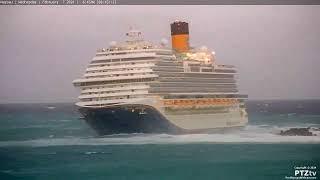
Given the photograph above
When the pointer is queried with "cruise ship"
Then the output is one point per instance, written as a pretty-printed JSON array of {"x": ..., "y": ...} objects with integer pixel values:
[{"x": 136, "y": 86}]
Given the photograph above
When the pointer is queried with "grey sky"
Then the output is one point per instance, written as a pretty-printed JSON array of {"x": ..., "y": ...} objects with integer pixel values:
[{"x": 43, "y": 48}]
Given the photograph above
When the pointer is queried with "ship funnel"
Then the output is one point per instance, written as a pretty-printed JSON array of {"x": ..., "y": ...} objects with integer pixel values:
[{"x": 180, "y": 36}]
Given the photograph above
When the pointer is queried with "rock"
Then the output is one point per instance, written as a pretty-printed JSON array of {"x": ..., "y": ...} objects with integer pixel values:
[{"x": 297, "y": 132}]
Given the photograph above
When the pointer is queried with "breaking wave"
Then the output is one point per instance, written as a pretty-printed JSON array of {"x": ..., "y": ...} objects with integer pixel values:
[{"x": 250, "y": 134}]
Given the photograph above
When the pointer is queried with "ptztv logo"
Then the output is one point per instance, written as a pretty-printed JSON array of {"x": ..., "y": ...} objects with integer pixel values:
[{"x": 305, "y": 173}]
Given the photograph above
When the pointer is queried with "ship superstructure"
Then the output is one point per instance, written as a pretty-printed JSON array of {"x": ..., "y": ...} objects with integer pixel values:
[{"x": 139, "y": 87}]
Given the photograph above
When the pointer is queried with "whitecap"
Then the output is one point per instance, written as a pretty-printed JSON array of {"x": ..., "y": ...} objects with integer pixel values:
[
  {"x": 90, "y": 152},
  {"x": 251, "y": 134}
]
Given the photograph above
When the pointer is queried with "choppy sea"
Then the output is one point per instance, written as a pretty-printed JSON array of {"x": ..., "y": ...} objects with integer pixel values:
[{"x": 49, "y": 141}]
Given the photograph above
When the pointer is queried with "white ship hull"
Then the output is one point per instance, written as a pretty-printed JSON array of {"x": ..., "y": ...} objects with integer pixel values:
[{"x": 148, "y": 117}]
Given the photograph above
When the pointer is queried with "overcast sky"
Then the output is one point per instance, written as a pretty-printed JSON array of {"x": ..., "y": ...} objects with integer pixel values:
[{"x": 43, "y": 48}]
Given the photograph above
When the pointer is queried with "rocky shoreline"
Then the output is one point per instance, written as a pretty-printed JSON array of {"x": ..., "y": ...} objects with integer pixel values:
[{"x": 299, "y": 132}]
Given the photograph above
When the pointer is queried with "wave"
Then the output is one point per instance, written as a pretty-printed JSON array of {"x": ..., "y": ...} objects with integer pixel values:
[
  {"x": 38, "y": 126},
  {"x": 250, "y": 134},
  {"x": 60, "y": 120}
]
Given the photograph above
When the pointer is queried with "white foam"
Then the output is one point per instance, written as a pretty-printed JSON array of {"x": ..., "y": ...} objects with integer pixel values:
[
  {"x": 90, "y": 152},
  {"x": 251, "y": 134}
]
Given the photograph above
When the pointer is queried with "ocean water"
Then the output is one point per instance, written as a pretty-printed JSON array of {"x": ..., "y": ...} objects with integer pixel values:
[{"x": 49, "y": 141}]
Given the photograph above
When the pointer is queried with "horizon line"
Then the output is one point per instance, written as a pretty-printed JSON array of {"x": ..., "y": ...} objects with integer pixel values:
[{"x": 65, "y": 102}]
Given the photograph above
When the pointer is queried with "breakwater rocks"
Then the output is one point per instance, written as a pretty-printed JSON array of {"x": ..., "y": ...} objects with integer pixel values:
[{"x": 299, "y": 132}]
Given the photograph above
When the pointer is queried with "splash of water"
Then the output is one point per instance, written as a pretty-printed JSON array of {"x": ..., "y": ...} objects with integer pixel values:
[{"x": 251, "y": 134}]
